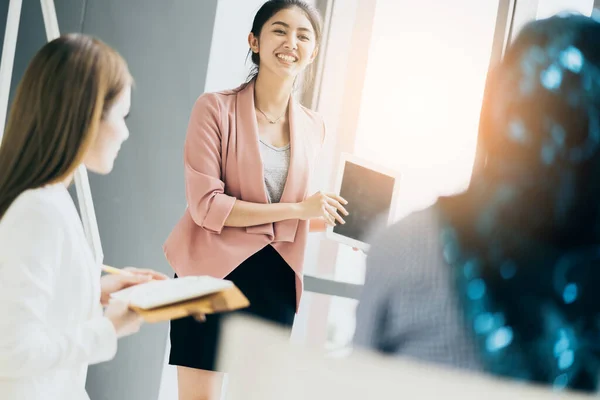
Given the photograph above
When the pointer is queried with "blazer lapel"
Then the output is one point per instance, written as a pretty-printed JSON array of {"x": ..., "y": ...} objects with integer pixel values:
[
  {"x": 252, "y": 180},
  {"x": 296, "y": 184},
  {"x": 251, "y": 173}
]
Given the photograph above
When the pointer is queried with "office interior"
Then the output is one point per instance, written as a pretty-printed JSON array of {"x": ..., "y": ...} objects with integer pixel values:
[{"x": 392, "y": 77}]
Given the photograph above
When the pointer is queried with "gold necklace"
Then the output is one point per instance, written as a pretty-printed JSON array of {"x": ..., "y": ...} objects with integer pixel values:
[{"x": 269, "y": 119}]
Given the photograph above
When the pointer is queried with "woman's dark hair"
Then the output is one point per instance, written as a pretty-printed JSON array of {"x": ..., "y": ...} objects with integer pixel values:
[
  {"x": 524, "y": 239},
  {"x": 267, "y": 11}
]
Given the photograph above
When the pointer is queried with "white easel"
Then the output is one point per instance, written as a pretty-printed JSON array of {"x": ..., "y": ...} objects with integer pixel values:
[{"x": 82, "y": 185}]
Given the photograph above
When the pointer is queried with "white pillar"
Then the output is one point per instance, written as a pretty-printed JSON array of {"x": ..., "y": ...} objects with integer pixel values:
[{"x": 229, "y": 47}]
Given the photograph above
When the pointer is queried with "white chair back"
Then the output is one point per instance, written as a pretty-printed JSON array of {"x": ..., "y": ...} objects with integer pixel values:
[{"x": 262, "y": 364}]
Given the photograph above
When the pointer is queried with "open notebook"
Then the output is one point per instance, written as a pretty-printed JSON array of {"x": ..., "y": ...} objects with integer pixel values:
[{"x": 161, "y": 293}]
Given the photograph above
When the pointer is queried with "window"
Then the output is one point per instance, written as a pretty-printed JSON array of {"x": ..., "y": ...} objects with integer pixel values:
[{"x": 417, "y": 101}]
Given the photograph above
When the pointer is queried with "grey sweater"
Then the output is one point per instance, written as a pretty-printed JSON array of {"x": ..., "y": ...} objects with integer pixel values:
[{"x": 408, "y": 305}]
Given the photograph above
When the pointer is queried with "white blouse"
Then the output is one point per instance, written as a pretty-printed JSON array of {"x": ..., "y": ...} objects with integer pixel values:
[{"x": 51, "y": 321}]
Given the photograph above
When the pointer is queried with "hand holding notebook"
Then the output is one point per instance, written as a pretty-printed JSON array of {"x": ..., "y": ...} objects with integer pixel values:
[{"x": 160, "y": 300}]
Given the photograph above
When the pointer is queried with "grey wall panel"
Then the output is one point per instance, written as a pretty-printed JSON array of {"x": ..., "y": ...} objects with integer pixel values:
[
  {"x": 167, "y": 46},
  {"x": 32, "y": 35},
  {"x": 3, "y": 16},
  {"x": 69, "y": 13}
]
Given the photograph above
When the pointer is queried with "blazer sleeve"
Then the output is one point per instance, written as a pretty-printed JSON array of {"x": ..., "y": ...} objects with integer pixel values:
[
  {"x": 208, "y": 204},
  {"x": 29, "y": 270}
]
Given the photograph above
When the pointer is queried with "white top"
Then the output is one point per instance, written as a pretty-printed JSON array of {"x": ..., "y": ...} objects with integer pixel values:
[
  {"x": 51, "y": 322},
  {"x": 276, "y": 162}
]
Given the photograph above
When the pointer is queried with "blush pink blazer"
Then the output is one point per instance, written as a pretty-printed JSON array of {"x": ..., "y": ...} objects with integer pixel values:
[{"x": 223, "y": 163}]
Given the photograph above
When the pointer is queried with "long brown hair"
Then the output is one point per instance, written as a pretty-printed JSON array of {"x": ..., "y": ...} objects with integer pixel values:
[{"x": 68, "y": 87}]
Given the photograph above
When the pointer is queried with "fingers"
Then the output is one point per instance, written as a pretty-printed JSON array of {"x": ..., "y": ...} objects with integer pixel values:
[
  {"x": 331, "y": 203},
  {"x": 135, "y": 321},
  {"x": 119, "y": 306},
  {"x": 336, "y": 203},
  {"x": 130, "y": 280},
  {"x": 113, "y": 283},
  {"x": 139, "y": 321},
  {"x": 338, "y": 198},
  {"x": 199, "y": 317},
  {"x": 125, "y": 281},
  {"x": 147, "y": 272},
  {"x": 329, "y": 219},
  {"x": 334, "y": 214}
]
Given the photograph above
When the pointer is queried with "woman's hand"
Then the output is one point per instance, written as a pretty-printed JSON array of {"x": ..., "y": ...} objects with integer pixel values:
[
  {"x": 125, "y": 321},
  {"x": 321, "y": 205},
  {"x": 155, "y": 275},
  {"x": 132, "y": 276},
  {"x": 200, "y": 317}
]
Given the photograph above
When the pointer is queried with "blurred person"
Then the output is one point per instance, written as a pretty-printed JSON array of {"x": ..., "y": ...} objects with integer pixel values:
[{"x": 503, "y": 277}]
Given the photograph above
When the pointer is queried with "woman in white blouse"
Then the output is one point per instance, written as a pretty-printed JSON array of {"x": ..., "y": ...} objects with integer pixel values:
[{"x": 69, "y": 109}]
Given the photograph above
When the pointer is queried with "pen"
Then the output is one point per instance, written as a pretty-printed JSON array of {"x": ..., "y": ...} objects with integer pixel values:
[{"x": 112, "y": 270}]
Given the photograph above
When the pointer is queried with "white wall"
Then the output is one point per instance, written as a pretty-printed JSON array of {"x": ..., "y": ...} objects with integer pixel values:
[
  {"x": 227, "y": 67},
  {"x": 547, "y": 8},
  {"x": 423, "y": 92}
]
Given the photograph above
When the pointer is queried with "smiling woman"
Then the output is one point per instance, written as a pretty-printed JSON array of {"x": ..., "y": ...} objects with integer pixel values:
[
  {"x": 307, "y": 31},
  {"x": 249, "y": 154}
]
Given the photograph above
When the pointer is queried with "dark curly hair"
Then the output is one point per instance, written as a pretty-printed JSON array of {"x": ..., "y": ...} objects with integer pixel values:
[{"x": 524, "y": 239}]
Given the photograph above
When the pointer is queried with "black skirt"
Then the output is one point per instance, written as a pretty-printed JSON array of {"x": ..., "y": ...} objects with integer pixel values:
[{"x": 266, "y": 280}]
